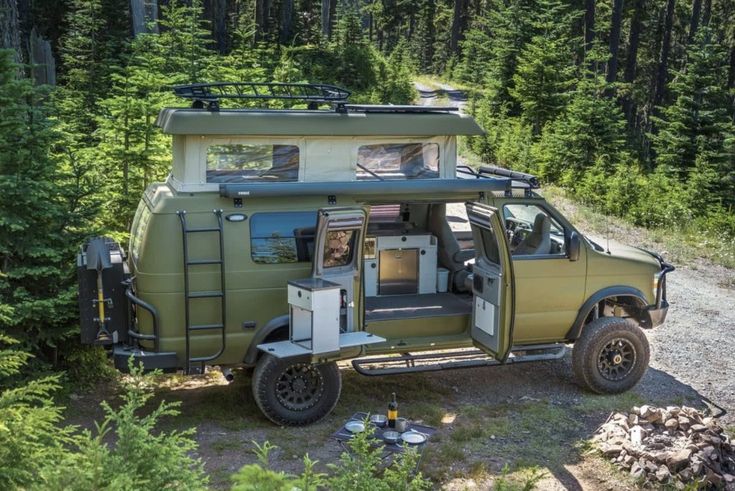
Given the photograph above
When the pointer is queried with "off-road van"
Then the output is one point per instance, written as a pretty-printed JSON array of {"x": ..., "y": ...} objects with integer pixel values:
[{"x": 285, "y": 240}]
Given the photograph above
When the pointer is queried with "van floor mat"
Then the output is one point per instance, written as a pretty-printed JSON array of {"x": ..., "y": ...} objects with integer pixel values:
[{"x": 414, "y": 306}]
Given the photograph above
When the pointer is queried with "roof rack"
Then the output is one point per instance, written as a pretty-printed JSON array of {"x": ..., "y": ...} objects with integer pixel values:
[
  {"x": 529, "y": 182},
  {"x": 209, "y": 94}
]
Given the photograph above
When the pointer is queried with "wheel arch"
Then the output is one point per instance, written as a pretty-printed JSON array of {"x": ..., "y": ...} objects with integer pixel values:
[
  {"x": 630, "y": 295},
  {"x": 275, "y": 329}
]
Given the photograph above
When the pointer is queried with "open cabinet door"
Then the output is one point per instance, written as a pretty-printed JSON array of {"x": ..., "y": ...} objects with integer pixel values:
[{"x": 493, "y": 283}]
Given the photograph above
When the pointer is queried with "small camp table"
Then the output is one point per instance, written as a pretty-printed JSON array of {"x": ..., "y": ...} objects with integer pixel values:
[{"x": 389, "y": 449}]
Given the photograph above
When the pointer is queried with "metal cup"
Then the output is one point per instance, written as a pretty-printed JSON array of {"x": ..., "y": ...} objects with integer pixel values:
[{"x": 401, "y": 424}]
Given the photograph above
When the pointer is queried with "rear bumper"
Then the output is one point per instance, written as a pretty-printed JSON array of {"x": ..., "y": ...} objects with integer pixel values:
[{"x": 148, "y": 360}]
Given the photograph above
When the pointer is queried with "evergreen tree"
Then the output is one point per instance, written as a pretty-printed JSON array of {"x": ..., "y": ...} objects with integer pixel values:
[
  {"x": 591, "y": 131},
  {"x": 132, "y": 152},
  {"x": 184, "y": 41},
  {"x": 695, "y": 131},
  {"x": 545, "y": 70},
  {"x": 35, "y": 255},
  {"x": 29, "y": 434},
  {"x": 542, "y": 80},
  {"x": 512, "y": 28}
]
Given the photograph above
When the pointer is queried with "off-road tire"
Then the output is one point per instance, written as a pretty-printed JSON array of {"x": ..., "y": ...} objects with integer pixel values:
[
  {"x": 265, "y": 382},
  {"x": 595, "y": 351}
]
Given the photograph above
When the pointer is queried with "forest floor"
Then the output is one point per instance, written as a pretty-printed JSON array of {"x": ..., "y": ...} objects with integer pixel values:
[{"x": 531, "y": 420}]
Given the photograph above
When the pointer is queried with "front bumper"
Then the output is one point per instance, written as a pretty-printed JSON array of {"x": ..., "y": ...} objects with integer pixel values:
[{"x": 658, "y": 313}]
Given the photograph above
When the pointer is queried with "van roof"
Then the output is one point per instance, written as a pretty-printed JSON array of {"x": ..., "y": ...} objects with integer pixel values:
[{"x": 358, "y": 121}]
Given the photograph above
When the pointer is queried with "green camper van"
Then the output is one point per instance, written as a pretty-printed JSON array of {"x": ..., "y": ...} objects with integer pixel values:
[{"x": 285, "y": 240}]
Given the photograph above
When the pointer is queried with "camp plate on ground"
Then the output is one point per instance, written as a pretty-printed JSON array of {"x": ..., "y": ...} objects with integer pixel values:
[
  {"x": 355, "y": 426},
  {"x": 413, "y": 437}
]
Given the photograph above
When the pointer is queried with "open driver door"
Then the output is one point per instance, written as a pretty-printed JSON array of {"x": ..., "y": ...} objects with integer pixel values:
[{"x": 492, "y": 284}]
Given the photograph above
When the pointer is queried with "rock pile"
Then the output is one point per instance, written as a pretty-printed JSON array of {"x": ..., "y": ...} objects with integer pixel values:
[{"x": 672, "y": 445}]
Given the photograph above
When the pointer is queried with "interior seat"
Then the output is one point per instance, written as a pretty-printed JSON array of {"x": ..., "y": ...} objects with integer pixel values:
[
  {"x": 451, "y": 256},
  {"x": 538, "y": 241}
]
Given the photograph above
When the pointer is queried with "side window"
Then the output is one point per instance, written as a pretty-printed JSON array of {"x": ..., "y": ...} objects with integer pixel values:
[
  {"x": 252, "y": 162},
  {"x": 490, "y": 246},
  {"x": 338, "y": 248},
  {"x": 398, "y": 161},
  {"x": 532, "y": 231},
  {"x": 282, "y": 237}
]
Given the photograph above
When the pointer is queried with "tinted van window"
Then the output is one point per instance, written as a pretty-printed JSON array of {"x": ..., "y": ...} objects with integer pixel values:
[
  {"x": 398, "y": 161},
  {"x": 252, "y": 162},
  {"x": 282, "y": 237}
]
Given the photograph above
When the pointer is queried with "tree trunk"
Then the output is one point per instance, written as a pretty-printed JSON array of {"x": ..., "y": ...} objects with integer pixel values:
[
  {"x": 707, "y": 13},
  {"x": 612, "y": 66},
  {"x": 10, "y": 28},
  {"x": 328, "y": 11},
  {"x": 631, "y": 62},
  {"x": 411, "y": 24},
  {"x": 694, "y": 24},
  {"x": 589, "y": 24},
  {"x": 215, "y": 11},
  {"x": 286, "y": 21},
  {"x": 332, "y": 16},
  {"x": 458, "y": 24},
  {"x": 261, "y": 19},
  {"x": 731, "y": 81},
  {"x": 370, "y": 31},
  {"x": 42, "y": 60},
  {"x": 663, "y": 61},
  {"x": 144, "y": 14}
]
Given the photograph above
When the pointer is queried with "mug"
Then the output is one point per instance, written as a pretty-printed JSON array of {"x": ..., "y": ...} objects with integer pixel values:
[{"x": 401, "y": 424}]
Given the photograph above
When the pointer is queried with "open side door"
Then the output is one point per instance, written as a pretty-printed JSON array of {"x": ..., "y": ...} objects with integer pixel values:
[
  {"x": 338, "y": 249},
  {"x": 493, "y": 289},
  {"x": 324, "y": 310}
]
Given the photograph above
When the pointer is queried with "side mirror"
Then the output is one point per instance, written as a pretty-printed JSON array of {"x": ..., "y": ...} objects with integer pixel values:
[{"x": 573, "y": 247}]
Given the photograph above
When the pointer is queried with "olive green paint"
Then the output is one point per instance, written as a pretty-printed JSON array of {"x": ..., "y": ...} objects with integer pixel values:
[{"x": 549, "y": 292}]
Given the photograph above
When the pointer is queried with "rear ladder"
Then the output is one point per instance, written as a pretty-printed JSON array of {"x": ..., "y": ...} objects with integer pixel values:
[{"x": 189, "y": 295}]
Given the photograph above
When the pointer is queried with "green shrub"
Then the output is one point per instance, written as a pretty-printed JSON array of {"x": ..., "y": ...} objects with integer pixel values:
[
  {"x": 127, "y": 451},
  {"x": 29, "y": 433},
  {"x": 360, "y": 469},
  {"x": 86, "y": 366}
]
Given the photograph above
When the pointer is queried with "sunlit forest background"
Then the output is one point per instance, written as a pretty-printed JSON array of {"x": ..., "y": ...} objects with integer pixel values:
[{"x": 628, "y": 105}]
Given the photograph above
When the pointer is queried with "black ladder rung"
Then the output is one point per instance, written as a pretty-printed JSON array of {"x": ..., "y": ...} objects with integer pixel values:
[
  {"x": 205, "y": 229},
  {"x": 206, "y": 327},
  {"x": 202, "y": 262},
  {"x": 206, "y": 295}
]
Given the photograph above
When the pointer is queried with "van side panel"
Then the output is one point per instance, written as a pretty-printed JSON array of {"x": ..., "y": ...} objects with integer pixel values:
[{"x": 255, "y": 292}]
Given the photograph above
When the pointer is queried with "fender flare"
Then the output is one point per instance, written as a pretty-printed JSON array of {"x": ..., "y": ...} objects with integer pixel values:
[
  {"x": 595, "y": 298},
  {"x": 273, "y": 325}
]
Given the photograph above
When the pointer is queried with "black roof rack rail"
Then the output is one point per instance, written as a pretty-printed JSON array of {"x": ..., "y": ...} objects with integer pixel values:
[
  {"x": 208, "y": 95},
  {"x": 390, "y": 108},
  {"x": 487, "y": 171}
]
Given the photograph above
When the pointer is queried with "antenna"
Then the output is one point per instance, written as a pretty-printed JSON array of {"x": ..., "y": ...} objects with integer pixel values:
[{"x": 607, "y": 231}]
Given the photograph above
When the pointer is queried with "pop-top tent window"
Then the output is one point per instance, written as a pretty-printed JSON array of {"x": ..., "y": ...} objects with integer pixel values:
[
  {"x": 398, "y": 161},
  {"x": 252, "y": 162}
]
